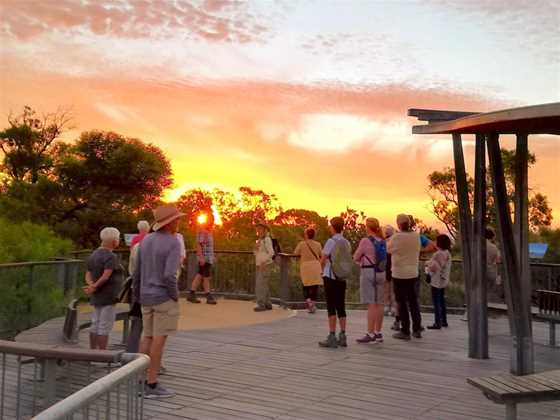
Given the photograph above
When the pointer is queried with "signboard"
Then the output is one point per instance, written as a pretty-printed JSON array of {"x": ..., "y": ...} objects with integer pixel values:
[
  {"x": 128, "y": 238},
  {"x": 537, "y": 250}
]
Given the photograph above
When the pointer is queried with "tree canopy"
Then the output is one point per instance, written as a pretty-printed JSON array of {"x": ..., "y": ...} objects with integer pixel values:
[{"x": 443, "y": 193}]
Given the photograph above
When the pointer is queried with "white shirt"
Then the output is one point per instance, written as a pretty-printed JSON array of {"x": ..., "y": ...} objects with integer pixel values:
[{"x": 182, "y": 244}]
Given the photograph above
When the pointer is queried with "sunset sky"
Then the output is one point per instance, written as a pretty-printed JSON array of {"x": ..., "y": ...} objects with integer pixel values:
[{"x": 304, "y": 99}]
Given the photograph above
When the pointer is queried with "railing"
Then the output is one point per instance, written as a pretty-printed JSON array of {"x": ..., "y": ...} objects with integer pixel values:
[
  {"x": 34, "y": 377},
  {"x": 108, "y": 394},
  {"x": 33, "y": 292}
]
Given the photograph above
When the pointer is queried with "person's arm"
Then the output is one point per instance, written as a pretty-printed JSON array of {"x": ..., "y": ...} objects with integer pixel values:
[
  {"x": 297, "y": 251},
  {"x": 89, "y": 278},
  {"x": 136, "y": 275},
  {"x": 358, "y": 254},
  {"x": 391, "y": 245},
  {"x": 427, "y": 245},
  {"x": 199, "y": 254},
  {"x": 172, "y": 264},
  {"x": 327, "y": 252},
  {"x": 268, "y": 246},
  {"x": 435, "y": 264}
]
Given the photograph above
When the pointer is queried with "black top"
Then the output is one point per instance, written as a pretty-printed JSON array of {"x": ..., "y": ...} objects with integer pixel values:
[{"x": 100, "y": 260}]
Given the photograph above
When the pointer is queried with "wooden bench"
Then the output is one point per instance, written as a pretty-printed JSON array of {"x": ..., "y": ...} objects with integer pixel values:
[
  {"x": 74, "y": 323},
  {"x": 549, "y": 311},
  {"x": 512, "y": 390}
]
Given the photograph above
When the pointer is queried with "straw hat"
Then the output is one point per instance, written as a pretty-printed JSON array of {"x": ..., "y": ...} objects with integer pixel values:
[{"x": 164, "y": 215}]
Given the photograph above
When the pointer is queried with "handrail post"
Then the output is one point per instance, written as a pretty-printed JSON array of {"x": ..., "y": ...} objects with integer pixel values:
[{"x": 285, "y": 292}]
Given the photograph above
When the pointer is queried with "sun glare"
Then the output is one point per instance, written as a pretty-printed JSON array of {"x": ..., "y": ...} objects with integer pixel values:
[
  {"x": 202, "y": 218},
  {"x": 216, "y": 214}
]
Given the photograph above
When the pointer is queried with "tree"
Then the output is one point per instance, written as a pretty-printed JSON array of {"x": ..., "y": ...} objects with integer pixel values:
[
  {"x": 102, "y": 179},
  {"x": 28, "y": 141},
  {"x": 443, "y": 193}
]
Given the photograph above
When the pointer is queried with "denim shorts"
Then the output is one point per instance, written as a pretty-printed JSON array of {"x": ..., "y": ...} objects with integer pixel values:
[
  {"x": 102, "y": 320},
  {"x": 372, "y": 285}
]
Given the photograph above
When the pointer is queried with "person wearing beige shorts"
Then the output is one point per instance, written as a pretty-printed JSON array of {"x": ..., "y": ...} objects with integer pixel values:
[{"x": 162, "y": 319}]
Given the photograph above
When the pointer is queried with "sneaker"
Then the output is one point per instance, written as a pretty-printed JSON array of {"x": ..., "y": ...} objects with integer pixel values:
[
  {"x": 445, "y": 325},
  {"x": 157, "y": 392},
  {"x": 417, "y": 334},
  {"x": 396, "y": 326},
  {"x": 379, "y": 338},
  {"x": 330, "y": 342},
  {"x": 434, "y": 327},
  {"x": 268, "y": 307},
  {"x": 366, "y": 339},
  {"x": 401, "y": 336},
  {"x": 259, "y": 309},
  {"x": 342, "y": 340},
  {"x": 192, "y": 298},
  {"x": 210, "y": 300},
  {"x": 313, "y": 308}
]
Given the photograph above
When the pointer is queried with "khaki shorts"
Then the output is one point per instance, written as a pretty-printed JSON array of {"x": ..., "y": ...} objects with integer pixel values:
[
  {"x": 161, "y": 320},
  {"x": 372, "y": 286}
]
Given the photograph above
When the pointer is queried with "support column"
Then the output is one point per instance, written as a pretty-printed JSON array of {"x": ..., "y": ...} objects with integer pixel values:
[
  {"x": 465, "y": 228},
  {"x": 518, "y": 310},
  {"x": 478, "y": 309}
]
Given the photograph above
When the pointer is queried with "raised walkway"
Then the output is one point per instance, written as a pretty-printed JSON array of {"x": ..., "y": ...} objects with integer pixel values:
[{"x": 277, "y": 371}]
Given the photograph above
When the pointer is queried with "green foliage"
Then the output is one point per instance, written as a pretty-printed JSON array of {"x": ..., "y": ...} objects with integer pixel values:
[
  {"x": 552, "y": 238},
  {"x": 29, "y": 242},
  {"x": 77, "y": 188},
  {"x": 445, "y": 204}
]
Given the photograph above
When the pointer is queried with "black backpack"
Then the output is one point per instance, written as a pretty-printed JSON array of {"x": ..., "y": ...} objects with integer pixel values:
[{"x": 275, "y": 247}]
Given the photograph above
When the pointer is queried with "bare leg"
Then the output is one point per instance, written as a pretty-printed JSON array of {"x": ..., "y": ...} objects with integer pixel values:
[
  {"x": 196, "y": 282},
  {"x": 371, "y": 318},
  {"x": 146, "y": 345},
  {"x": 102, "y": 342},
  {"x": 378, "y": 315},
  {"x": 332, "y": 323},
  {"x": 342, "y": 322},
  {"x": 156, "y": 353},
  {"x": 92, "y": 341},
  {"x": 206, "y": 284}
]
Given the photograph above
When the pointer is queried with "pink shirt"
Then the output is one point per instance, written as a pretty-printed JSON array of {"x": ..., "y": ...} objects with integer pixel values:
[
  {"x": 365, "y": 253},
  {"x": 137, "y": 239}
]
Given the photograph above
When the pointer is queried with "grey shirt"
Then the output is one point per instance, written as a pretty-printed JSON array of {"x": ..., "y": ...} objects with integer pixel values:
[
  {"x": 157, "y": 264},
  {"x": 100, "y": 260}
]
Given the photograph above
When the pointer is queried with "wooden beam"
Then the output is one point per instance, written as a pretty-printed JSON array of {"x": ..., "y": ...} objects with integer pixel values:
[
  {"x": 538, "y": 119},
  {"x": 437, "y": 115},
  {"x": 478, "y": 308},
  {"x": 465, "y": 228},
  {"x": 521, "y": 223},
  {"x": 522, "y": 351}
]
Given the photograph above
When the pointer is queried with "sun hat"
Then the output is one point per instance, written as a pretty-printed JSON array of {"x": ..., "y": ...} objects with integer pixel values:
[{"x": 164, "y": 215}]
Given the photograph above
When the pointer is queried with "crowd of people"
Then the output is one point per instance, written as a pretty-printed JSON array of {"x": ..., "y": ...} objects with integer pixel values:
[{"x": 388, "y": 261}]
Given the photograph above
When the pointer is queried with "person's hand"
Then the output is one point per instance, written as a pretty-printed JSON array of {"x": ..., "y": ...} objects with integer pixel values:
[{"x": 89, "y": 289}]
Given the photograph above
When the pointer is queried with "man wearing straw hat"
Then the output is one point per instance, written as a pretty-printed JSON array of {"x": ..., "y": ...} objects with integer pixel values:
[{"x": 155, "y": 287}]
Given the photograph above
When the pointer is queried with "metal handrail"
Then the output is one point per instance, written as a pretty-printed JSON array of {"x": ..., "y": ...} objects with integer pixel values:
[{"x": 135, "y": 365}]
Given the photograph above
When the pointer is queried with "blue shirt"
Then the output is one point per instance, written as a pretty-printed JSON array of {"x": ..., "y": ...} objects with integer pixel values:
[{"x": 424, "y": 241}]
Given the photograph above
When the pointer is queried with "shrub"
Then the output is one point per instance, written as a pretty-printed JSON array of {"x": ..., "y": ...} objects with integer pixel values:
[{"x": 29, "y": 242}]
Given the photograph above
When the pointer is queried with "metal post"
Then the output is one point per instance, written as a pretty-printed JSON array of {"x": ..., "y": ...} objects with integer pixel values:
[
  {"x": 285, "y": 262},
  {"x": 518, "y": 310},
  {"x": 465, "y": 227},
  {"x": 49, "y": 370},
  {"x": 478, "y": 300}
]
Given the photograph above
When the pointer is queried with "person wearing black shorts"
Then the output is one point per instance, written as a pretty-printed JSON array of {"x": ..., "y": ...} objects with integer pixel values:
[{"x": 205, "y": 256}]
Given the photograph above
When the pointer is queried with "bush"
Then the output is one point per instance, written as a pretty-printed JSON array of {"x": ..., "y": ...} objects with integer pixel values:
[{"x": 29, "y": 242}]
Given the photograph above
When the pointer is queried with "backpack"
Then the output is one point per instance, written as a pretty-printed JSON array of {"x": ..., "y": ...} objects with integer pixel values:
[
  {"x": 341, "y": 260},
  {"x": 380, "y": 247},
  {"x": 275, "y": 247}
]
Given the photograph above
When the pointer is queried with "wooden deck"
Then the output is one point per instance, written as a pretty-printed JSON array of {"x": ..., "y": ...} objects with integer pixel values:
[{"x": 277, "y": 371}]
